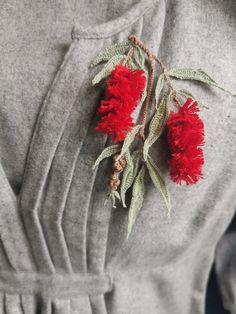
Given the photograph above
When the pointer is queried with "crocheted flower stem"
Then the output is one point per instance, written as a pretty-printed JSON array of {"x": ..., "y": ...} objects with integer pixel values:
[
  {"x": 168, "y": 80},
  {"x": 152, "y": 57},
  {"x": 129, "y": 55},
  {"x": 147, "y": 100}
]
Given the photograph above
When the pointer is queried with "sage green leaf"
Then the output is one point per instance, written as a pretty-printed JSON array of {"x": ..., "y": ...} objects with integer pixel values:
[
  {"x": 137, "y": 199},
  {"x": 117, "y": 195},
  {"x": 156, "y": 125},
  {"x": 187, "y": 94},
  {"x": 111, "y": 51},
  {"x": 107, "y": 152},
  {"x": 112, "y": 196},
  {"x": 132, "y": 65},
  {"x": 144, "y": 94},
  {"x": 125, "y": 177},
  {"x": 106, "y": 70},
  {"x": 129, "y": 173},
  {"x": 129, "y": 139},
  {"x": 139, "y": 57},
  {"x": 159, "y": 183},
  {"x": 107, "y": 199},
  {"x": 159, "y": 87},
  {"x": 197, "y": 75}
]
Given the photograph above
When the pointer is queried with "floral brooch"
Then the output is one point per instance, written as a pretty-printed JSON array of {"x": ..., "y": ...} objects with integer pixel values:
[{"x": 130, "y": 73}]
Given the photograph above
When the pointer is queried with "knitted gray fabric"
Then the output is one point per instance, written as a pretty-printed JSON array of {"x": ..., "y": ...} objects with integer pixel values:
[{"x": 61, "y": 251}]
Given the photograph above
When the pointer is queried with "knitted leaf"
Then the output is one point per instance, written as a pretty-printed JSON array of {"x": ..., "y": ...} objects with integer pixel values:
[
  {"x": 112, "y": 196},
  {"x": 129, "y": 173},
  {"x": 144, "y": 94},
  {"x": 197, "y": 75},
  {"x": 159, "y": 87},
  {"x": 158, "y": 182},
  {"x": 187, "y": 94},
  {"x": 137, "y": 199},
  {"x": 139, "y": 57},
  {"x": 156, "y": 125},
  {"x": 129, "y": 139},
  {"x": 106, "y": 70},
  {"x": 113, "y": 50},
  {"x": 133, "y": 65},
  {"x": 107, "y": 152},
  {"x": 125, "y": 178}
]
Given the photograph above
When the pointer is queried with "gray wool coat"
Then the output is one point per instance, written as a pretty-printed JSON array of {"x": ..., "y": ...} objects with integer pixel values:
[{"x": 61, "y": 250}]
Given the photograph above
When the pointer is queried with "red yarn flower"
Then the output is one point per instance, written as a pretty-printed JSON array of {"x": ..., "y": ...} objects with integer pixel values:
[
  {"x": 123, "y": 91},
  {"x": 185, "y": 135}
]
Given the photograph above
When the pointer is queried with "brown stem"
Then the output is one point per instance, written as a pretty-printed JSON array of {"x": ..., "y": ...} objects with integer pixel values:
[
  {"x": 151, "y": 56},
  {"x": 118, "y": 166},
  {"x": 129, "y": 55},
  {"x": 128, "y": 58},
  {"x": 168, "y": 80}
]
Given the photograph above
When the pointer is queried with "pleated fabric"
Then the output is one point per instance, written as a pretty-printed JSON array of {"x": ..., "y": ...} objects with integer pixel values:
[{"x": 54, "y": 240}]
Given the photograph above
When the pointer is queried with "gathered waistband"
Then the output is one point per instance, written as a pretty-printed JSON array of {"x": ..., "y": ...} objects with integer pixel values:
[{"x": 55, "y": 285}]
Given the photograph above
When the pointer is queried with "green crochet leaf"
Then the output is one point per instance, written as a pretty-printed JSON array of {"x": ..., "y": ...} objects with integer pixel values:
[
  {"x": 156, "y": 125},
  {"x": 137, "y": 199},
  {"x": 129, "y": 173},
  {"x": 187, "y": 94},
  {"x": 111, "y": 51},
  {"x": 139, "y": 58},
  {"x": 112, "y": 196},
  {"x": 107, "y": 152},
  {"x": 159, "y": 87},
  {"x": 158, "y": 182},
  {"x": 197, "y": 75},
  {"x": 144, "y": 94},
  {"x": 133, "y": 65},
  {"x": 106, "y": 70},
  {"x": 129, "y": 139}
]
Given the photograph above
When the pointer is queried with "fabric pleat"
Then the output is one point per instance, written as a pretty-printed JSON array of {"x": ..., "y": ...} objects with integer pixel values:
[
  {"x": 13, "y": 304},
  {"x": 13, "y": 240},
  {"x": 44, "y": 306},
  {"x": 29, "y": 303},
  {"x": 80, "y": 305},
  {"x": 98, "y": 304},
  {"x": 59, "y": 224},
  {"x": 61, "y": 306},
  {"x": 61, "y": 175}
]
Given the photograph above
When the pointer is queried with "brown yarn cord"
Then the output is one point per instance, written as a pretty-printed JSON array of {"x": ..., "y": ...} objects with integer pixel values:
[
  {"x": 118, "y": 166},
  {"x": 119, "y": 163},
  {"x": 152, "y": 58}
]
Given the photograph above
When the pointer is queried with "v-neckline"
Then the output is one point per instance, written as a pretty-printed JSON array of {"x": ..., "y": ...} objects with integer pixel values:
[{"x": 59, "y": 100}]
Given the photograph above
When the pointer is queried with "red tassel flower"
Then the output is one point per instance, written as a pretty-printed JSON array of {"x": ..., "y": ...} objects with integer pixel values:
[
  {"x": 185, "y": 136},
  {"x": 123, "y": 91}
]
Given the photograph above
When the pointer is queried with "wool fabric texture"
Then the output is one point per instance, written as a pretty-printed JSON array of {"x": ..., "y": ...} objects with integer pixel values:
[{"x": 61, "y": 250}]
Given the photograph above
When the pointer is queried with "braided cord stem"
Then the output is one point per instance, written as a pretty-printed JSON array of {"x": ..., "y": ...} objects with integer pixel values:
[{"x": 152, "y": 57}]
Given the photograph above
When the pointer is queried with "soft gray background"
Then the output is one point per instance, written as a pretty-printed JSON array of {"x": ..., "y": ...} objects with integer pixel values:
[{"x": 51, "y": 209}]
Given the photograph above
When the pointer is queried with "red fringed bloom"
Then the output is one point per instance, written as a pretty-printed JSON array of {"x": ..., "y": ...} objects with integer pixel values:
[
  {"x": 123, "y": 91},
  {"x": 185, "y": 135}
]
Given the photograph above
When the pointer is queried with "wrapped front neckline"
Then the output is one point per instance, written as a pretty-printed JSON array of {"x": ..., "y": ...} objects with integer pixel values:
[{"x": 113, "y": 26}]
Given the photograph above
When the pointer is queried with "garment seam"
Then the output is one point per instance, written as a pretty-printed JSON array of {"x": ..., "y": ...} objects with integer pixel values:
[{"x": 76, "y": 36}]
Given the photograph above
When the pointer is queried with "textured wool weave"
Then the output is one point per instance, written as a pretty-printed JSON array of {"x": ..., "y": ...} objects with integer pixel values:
[{"x": 61, "y": 251}]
